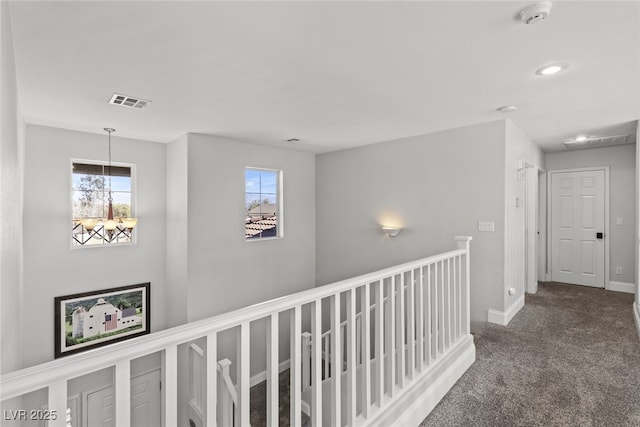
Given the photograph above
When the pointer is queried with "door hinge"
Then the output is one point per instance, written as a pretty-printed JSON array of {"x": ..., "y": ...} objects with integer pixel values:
[{"x": 160, "y": 385}]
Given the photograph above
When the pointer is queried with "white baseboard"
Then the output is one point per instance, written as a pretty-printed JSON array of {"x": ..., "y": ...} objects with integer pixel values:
[
  {"x": 262, "y": 376},
  {"x": 414, "y": 404},
  {"x": 504, "y": 317},
  {"x": 636, "y": 315},
  {"x": 629, "y": 288}
]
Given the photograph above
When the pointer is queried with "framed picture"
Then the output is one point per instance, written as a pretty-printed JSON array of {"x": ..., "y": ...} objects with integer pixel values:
[{"x": 93, "y": 319}]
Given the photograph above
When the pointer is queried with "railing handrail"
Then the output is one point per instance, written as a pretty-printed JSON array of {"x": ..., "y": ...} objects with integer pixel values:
[{"x": 39, "y": 376}]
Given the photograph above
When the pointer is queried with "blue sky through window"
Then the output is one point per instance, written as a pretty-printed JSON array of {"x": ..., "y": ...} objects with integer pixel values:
[{"x": 260, "y": 185}]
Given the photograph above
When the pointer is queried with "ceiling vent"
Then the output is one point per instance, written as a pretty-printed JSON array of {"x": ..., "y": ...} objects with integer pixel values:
[
  {"x": 128, "y": 101},
  {"x": 598, "y": 141}
]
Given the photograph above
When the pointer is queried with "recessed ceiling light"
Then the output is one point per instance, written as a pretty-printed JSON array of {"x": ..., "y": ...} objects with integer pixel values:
[{"x": 551, "y": 69}]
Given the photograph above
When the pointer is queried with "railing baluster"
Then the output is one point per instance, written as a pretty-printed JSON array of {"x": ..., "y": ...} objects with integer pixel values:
[
  {"x": 295, "y": 367},
  {"x": 170, "y": 385},
  {"x": 441, "y": 321},
  {"x": 316, "y": 368},
  {"x": 211, "y": 384},
  {"x": 365, "y": 323},
  {"x": 273, "y": 393},
  {"x": 420, "y": 320},
  {"x": 244, "y": 353},
  {"x": 57, "y": 403},
  {"x": 326, "y": 348},
  {"x": 336, "y": 361},
  {"x": 123, "y": 393},
  {"x": 456, "y": 298},
  {"x": 306, "y": 360},
  {"x": 351, "y": 357},
  {"x": 379, "y": 392},
  {"x": 228, "y": 395},
  {"x": 449, "y": 303},
  {"x": 391, "y": 337},
  {"x": 460, "y": 308},
  {"x": 411, "y": 332},
  {"x": 428, "y": 315},
  {"x": 400, "y": 330},
  {"x": 436, "y": 311}
]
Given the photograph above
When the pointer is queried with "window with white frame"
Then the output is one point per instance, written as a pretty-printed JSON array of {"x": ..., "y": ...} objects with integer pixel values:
[
  {"x": 263, "y": 201},
  {"x": 102, "y": 203}
]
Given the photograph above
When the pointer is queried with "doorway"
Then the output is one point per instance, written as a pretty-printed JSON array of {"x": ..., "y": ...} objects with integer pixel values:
[
  {"x": 579, "y": 226},
  {"x": 145, "y": 403}
]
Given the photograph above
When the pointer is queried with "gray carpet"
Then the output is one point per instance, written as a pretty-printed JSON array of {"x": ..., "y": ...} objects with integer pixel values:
[{"x": 570, "y": 357}]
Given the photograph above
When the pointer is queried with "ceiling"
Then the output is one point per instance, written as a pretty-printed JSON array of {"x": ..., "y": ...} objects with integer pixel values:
[{"x": 332, "y": 74}]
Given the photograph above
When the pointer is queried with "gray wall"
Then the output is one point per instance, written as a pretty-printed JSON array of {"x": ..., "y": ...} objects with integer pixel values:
[
  {"x": 435, "y": 186},
  {"x": 177, "y": 227},
  {"x": 11, "y": 168},
  {"x": 622, "y": 196},
  {"x": 51, "y": 267},
  {"x": 225, "y": 271}
]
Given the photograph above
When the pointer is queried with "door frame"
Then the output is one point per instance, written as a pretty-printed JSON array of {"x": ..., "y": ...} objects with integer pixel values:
[
  {"x": 607, "y": 233},
  {"x": 531, "y": 226}
]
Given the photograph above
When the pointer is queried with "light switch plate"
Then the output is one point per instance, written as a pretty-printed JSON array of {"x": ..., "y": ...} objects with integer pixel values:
[
  {"x": 486, "y": 226},
  {"x": 619, "y": 221}
]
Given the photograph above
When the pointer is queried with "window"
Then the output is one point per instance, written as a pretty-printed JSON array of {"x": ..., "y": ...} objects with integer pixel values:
[
  {"x": 90, "y": 185},
  {"x": 263, "y": 217}
]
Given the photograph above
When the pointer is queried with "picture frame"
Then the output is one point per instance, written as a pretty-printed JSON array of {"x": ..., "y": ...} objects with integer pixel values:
[{"x": 93, "y": 319}]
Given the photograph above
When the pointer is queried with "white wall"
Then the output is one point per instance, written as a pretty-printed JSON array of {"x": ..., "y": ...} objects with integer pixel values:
[
  {"x": 518, "y": 147},
  {"x": 11, "y": 170},
  {"x": 51, "y": 267},
  {"x": 621, "y": 161},
  {"x": 435, "y": 186}
]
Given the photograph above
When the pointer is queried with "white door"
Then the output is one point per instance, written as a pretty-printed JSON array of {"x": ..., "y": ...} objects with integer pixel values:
[
  {"x": 145, "y": 403},
  {"x": 577, "y": 227}
]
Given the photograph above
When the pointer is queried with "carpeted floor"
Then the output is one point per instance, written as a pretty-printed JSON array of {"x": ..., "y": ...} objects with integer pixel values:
[{"x": 570, "y": 357}]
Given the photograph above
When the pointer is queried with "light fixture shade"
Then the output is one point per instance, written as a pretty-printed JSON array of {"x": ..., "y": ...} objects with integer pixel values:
[
  {"x": 89, "y": 223},
  {"x": 129, "y": 222},
  {"x": 110, "y": 224},
  {"x": 391, "y": 231}
]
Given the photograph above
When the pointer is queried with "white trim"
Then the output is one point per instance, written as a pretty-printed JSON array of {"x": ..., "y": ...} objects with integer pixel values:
[
  {"x": 636, "y": 315},
  {"x": 262, "y": 376},
  {"x": 607, "y": 231},
  {"x": 629, "y": 288},
  {"x": 414, "y": 404},
  {"x": 504, "y": 317}
]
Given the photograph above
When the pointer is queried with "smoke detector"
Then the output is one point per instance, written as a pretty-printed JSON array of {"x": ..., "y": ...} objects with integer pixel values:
[{"x": 536, "y": 12}]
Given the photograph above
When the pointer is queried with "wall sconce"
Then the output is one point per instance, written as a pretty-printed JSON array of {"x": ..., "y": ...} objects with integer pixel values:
[{"x": 391, "y": 231}]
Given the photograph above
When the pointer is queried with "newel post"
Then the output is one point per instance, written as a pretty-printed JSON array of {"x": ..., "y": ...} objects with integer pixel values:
[{"x": 463, "y": 243}]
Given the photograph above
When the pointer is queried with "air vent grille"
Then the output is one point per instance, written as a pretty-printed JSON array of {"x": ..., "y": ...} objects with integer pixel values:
[
  {"x": 593, "y": 142},
  {"x": 128, "y": 101}
]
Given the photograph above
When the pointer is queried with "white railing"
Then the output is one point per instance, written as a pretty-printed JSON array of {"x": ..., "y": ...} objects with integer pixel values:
[{"x": 386, "y": 330}]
